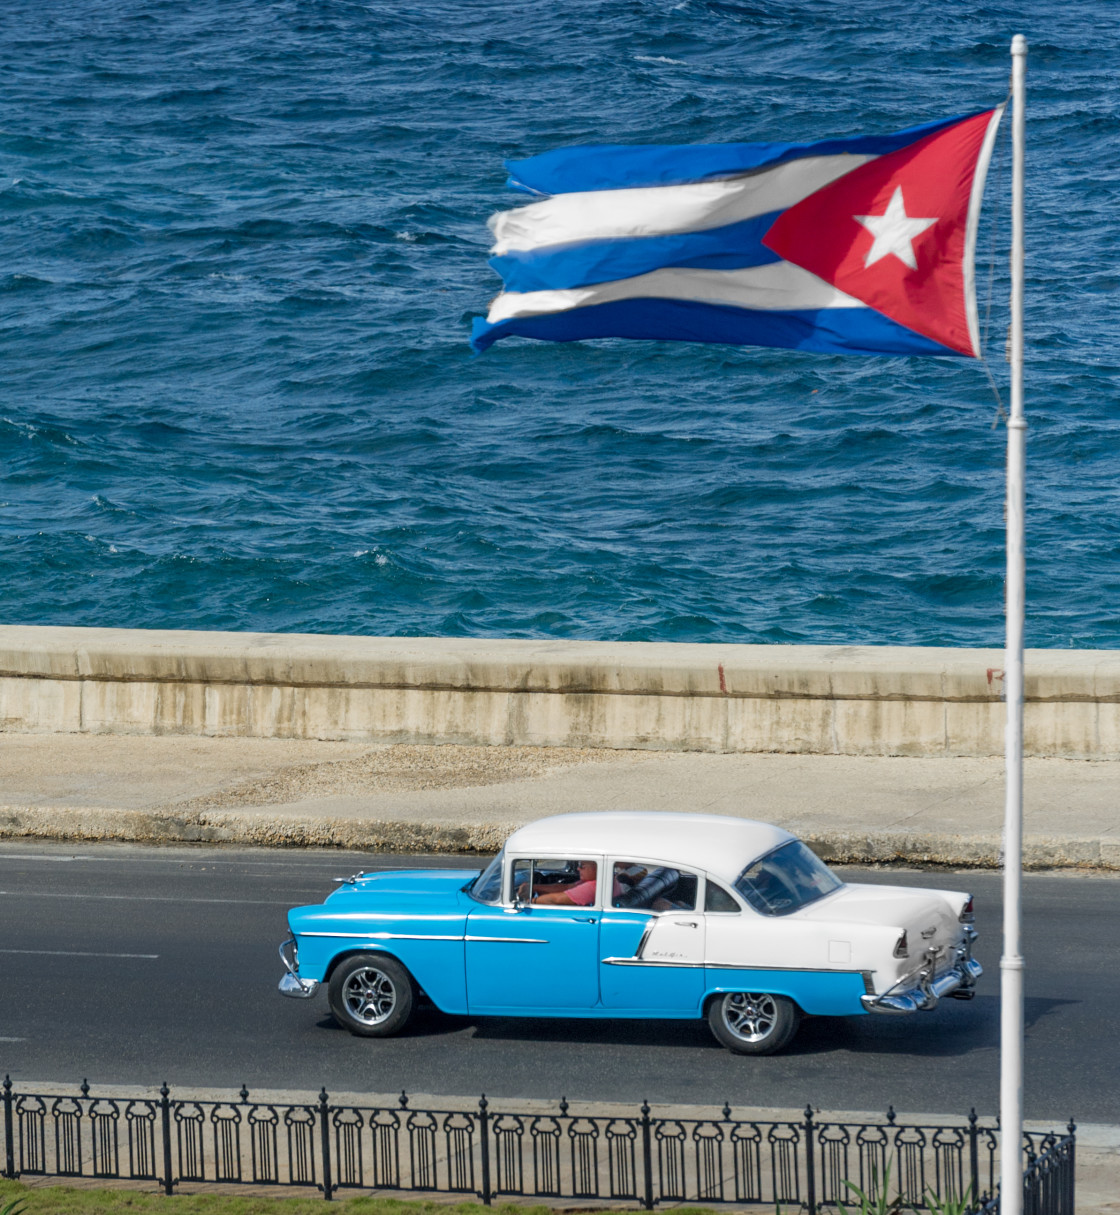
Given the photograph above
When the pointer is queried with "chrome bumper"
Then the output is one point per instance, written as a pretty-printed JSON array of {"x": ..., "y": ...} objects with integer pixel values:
[
  {"x": 291, "y": 984},
  {"x": 922, "y": 995}
]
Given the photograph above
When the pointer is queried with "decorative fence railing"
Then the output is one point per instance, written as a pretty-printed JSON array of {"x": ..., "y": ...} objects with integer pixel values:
[
  {"x": 1048, "y": 1181},
  {"x": 493, "y": 1153}
]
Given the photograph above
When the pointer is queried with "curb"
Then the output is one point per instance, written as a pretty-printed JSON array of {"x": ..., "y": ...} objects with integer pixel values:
[
  {"x": 263, "y": 829},
  {"x": 256, "y": 828},
  {"x": 962, "y": 851},
  {"x": 1099, "y": 1135}
]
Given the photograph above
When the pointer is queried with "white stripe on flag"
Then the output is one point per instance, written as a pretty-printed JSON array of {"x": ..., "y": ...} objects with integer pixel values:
[
  {"x": 663, "y": 210},
  {"x": 776, "y": 287}
]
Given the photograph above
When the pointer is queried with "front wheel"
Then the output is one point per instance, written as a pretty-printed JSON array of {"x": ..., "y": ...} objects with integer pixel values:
[
  {"x": 753, "y": 1023},
  {"x": 371, "y": 995}
]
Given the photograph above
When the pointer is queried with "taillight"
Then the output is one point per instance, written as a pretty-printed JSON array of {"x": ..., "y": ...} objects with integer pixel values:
[
  {"x": 902, "y": 949},
  {"x": 966, "y": 916}
]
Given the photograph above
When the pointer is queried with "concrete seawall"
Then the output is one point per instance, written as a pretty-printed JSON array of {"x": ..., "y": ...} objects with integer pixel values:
[{"x": 827, "y": 700}]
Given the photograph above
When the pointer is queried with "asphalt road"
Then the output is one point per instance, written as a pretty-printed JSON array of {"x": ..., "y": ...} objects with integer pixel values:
[{"x": 132, "y": 965}]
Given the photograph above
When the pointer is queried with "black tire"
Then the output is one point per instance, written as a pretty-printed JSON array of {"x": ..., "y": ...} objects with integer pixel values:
[
  {"x": 753, "y": 1023},
  {"x": 371, "y": 995}
]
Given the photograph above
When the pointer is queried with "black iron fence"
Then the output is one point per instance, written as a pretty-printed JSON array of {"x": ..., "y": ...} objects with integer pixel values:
[
  {"x": 1048, "y": 1180},
  {"x": 1048, "y": 1184},
  {"x": 490, "y": 1152}
]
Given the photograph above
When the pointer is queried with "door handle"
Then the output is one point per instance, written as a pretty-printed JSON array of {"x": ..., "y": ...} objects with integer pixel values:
[
  {"x": 687, "y": 923},
  {"x": 584, "y": 919}
]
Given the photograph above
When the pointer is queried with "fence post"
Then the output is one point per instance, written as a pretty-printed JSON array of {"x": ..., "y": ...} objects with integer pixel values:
[
  {"x": 165, "y": 1121},
  {"x": 647, "y": 1160},
  {"x": 9, "y": 1135},
  {"x": 1070, "y": 1171},
  {"x": 484, "y": 1142},
  {"x": 973, "y": 1159},
  {"x": 810, "y": 1164},
  {"x": 325, "y": 1127}
]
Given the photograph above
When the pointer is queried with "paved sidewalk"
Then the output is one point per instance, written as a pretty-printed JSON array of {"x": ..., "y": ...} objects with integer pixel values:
[{"x": 456, "y": 798}]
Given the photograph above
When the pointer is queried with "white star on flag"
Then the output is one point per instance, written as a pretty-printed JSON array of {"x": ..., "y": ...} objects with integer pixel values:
[{"x": 894, "y": 232}]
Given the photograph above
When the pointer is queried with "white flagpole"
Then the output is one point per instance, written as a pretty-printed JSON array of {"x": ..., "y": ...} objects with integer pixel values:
[{"x": 1011, "y": 963}]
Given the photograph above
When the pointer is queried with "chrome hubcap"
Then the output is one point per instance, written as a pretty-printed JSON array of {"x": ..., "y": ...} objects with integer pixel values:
[
  {"x": 750, "y": 1015},
  {"x": 369, "y": 995}
]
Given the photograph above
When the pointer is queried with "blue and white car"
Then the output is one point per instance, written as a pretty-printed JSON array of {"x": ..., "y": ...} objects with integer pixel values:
[{"x": 637, "y": 915}]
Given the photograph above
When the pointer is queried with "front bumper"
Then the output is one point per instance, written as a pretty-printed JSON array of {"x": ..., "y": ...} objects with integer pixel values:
[
  {"x": 922, "y": 992},
  {"x": 291, "y": 984}
]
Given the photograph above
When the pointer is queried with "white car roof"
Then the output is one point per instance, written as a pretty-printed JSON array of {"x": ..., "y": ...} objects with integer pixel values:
[{"x": 720, "y": 845}]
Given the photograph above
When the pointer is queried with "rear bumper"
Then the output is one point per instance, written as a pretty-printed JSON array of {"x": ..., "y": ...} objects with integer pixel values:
[
  {"x": 291, "y": 984},
  {"x": 922, "y": 992}
]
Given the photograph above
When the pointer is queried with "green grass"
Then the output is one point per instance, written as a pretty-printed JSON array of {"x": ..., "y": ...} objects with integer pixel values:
[{"x": 64, "y": 1200}]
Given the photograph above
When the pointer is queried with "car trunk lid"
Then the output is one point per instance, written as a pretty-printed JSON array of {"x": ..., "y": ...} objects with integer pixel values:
[{"x": 926, "y": 916}]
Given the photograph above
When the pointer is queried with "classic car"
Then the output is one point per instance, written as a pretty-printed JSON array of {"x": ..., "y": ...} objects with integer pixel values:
[{"x": 639, "y": 915}]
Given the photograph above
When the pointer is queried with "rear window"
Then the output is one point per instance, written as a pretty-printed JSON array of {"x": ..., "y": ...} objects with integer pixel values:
[{"x": 785, "y": 880}]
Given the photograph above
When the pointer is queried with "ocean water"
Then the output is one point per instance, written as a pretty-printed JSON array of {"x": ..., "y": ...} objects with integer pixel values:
[{"x": 242, "y": 241}]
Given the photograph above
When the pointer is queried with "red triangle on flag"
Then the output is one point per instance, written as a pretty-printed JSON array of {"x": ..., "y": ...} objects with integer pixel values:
[{"x": 892, "y": 233}]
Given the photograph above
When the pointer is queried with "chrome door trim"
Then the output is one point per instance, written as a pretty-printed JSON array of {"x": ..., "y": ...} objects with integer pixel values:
[
  {"x": 645, "y": 936},
  {"x": 648, "y": 962},
  {"x": 386, "y": 936},
  {"x": 813, "y": 970},
  {"x": 511, "y": 940},
  {"x": 804, "y": 970}
]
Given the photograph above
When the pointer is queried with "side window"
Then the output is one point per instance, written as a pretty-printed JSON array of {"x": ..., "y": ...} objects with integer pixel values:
[
  {"x": 717, "y": 899},
  {"x": 656, "y": 887},
  {"x": 556, "y": 881}
]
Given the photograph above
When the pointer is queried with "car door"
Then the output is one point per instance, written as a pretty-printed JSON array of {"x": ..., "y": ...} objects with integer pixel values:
[
  {"x": 651, "y": 941},
  {"x": 533, "y": 958}
]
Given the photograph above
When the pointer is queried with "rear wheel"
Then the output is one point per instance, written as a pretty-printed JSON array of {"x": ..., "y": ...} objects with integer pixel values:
[
  {"x": 371, "y": 995},
  {"x": 753, "y": 1023}
]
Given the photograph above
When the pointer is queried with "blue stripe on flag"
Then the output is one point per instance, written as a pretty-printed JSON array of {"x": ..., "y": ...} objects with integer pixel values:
[
  {"x": 622, "y": 166},
  {"x": 825, "y": 330},
  {"x": 732, "y": 247}
]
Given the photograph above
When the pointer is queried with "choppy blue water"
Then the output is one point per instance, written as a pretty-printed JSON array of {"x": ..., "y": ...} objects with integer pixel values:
[{"x": 241, "y": 243}]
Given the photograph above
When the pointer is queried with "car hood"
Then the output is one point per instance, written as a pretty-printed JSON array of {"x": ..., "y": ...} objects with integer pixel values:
[
  {"x": 426, "y": 894},
  {"x": 929, "y": 917},
  {"x": 403, "y": 885}
]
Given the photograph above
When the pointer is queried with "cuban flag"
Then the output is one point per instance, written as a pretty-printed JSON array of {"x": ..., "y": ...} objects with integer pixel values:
[{"x": 860, "y": 245}]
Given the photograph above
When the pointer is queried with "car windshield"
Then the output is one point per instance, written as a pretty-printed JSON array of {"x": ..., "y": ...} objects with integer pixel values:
[
  {"x": 487, "y": 887},
  {"x": 785, "y": 880}
]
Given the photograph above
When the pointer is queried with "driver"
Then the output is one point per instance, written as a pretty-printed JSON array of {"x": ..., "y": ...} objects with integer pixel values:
[{"x": 580, "y": 893}]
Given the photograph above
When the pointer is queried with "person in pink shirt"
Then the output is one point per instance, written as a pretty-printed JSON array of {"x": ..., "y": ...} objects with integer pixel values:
[{"x": 580, "y": 893}]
